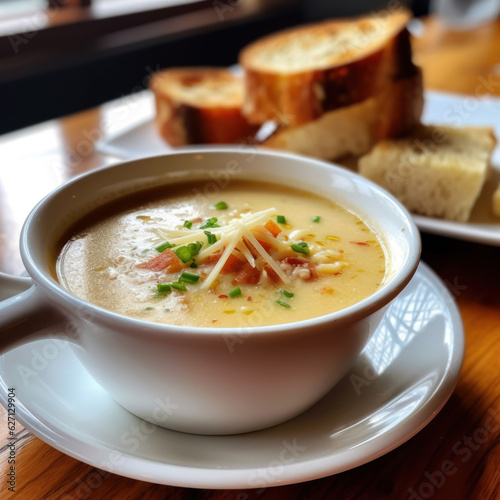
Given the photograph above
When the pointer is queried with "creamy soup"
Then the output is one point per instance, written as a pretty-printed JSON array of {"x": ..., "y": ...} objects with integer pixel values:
[{"x": 257, "y": 254}]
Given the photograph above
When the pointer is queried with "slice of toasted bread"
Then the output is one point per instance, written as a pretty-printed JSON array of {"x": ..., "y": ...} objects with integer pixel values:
[
  {"x": 496, "y": 202},
  {"x": 199, "y": 106},
  {"x": 353, "y": 130},
  {"x": 437, "y": 171},
  {"x": 295, "y": 76}
]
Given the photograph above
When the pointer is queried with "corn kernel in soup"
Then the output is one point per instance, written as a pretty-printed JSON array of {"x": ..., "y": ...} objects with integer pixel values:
[{"x": 258, "y": 254}]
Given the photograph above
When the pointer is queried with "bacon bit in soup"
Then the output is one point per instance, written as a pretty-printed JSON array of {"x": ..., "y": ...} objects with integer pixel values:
[
  {"x": 248, "y": 275},
  {"x": 361, "y": 243},
  {"x": 273, "y": 228},
  {"x": 196, "y": 220},
  {"x": 167, "y": 260},
  {"x": 249, "y": 298},
  {"x": 271, "y": 274},
  {"x": 232, "y": 265}
]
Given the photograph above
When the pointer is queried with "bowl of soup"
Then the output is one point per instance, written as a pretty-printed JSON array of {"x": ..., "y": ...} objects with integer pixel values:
[{"x": 213, "y": 291}]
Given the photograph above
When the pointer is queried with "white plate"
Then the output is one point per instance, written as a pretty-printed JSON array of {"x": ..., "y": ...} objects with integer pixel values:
[
  {"x": 440, "y": 108},
  {"x": 398, "y": 385}
]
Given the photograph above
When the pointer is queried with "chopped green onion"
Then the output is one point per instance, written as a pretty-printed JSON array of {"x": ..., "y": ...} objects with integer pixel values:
[
  {"x": 316, "y": 218},
  {"x": 281, "y": 219},
  {"x": 190, "y": 278},
  {"x": 286, "y": 293},
  {"x": 212, "y": 222},
  {"x": 222, "y": 205},
  {"x": 194, "y": 248},
  {"x": 179, "y": 286},
  {"x": 235, "y": 292},
  {"x": 164, "y": 287},
  {"x": 188, "y": 224},
  {"x": 283, "y": 304},
  {"x": 167, "y": 310},
  {"x": 212, "y": 238},
  {"x": 184, "y": 254},
  {"x": 300, "y": 247},
  {"x": 149, "y": 308},
  {"x": 193, "y": 265},
  {"x": 161, "y": 248}
]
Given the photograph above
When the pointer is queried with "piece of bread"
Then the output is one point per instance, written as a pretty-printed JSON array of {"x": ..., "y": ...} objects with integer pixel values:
[
  {"x": 355, "y": 129},
  {"x": 437, "y": 171},
  {"x": 297, "y": 75},
  {"x": 200, "y": 106},
  {"x": 496, "y": 201}
]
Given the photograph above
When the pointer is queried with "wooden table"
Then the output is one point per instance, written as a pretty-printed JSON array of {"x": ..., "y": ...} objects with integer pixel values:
[{"x": 36, "y": 160}]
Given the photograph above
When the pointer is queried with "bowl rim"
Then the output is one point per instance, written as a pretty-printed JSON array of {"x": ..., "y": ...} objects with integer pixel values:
[{"x": 117, "y": 321}]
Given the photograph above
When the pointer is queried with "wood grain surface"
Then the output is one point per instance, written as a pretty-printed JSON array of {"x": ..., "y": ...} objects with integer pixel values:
[{"x": 36, "y": 160}]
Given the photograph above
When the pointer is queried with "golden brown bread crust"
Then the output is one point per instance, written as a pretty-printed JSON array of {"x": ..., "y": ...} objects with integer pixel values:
[
  {"x": 299, "y": 96},
  {"x": 355, "y": 129},
  {"x": 199, "y": 106}
]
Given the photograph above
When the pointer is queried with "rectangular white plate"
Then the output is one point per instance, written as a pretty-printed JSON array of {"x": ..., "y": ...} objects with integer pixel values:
[{"x": 142, "y": 140}]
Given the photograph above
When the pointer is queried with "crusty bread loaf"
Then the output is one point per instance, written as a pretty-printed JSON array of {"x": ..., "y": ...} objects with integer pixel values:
[
  {"x": 355, "y": 129},
  {"x": 437, "y": 171},
  {"x": 496, "y": 201},
  {"x": 200, "y": 106},
  {"x": 297, "y": 75}
]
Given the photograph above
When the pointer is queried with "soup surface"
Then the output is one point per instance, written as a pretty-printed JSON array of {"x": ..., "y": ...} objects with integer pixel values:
[{"x": 257, "y": 254}]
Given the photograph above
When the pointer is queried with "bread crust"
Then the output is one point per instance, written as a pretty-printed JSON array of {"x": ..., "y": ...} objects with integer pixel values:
[
  {"x": 355, "y": 129},
  {"x": 299, "y": 96},
  {"x": 209, "y": 116}
]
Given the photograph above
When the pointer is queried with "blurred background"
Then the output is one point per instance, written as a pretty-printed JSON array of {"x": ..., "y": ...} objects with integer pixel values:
[{"x": 61, "y": 56}]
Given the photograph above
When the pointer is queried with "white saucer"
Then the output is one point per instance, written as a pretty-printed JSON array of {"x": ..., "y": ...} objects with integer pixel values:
[{"x": 401, "y": 381}]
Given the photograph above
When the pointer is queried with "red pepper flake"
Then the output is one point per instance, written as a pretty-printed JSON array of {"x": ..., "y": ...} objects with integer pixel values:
[
  {"x": 214, "y": 320},
  {"x": 223, "y": 296},
  {"x": 249, "y": 298},
  {"x": 363, "y": 243}
]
